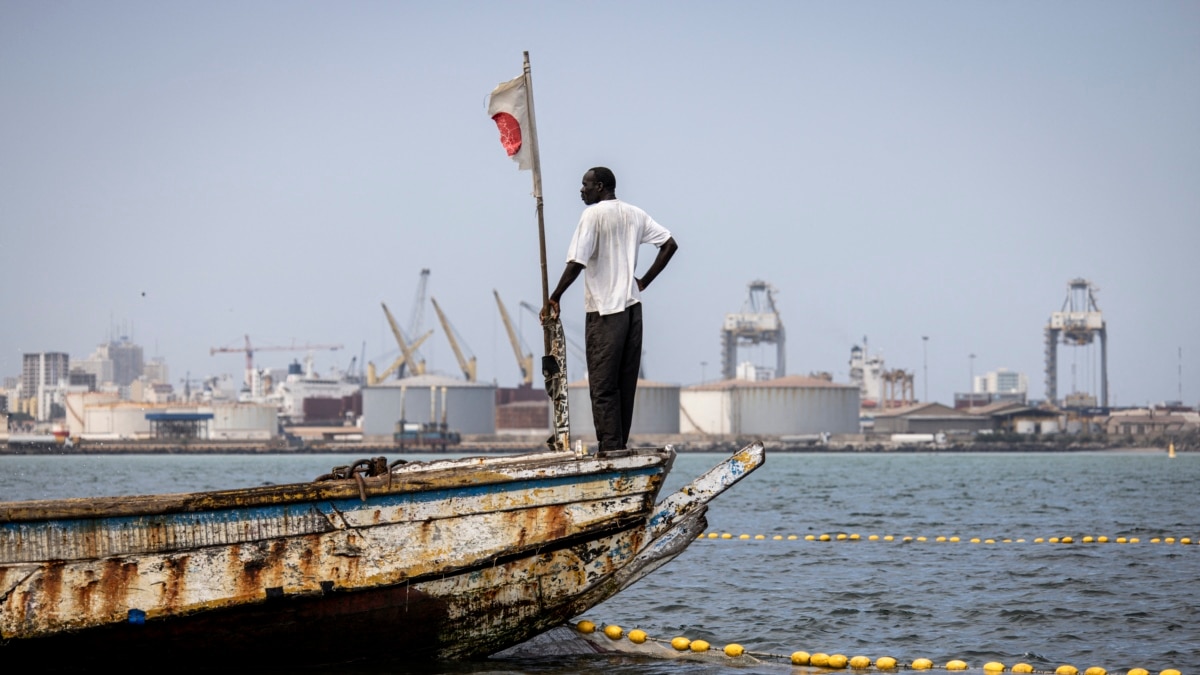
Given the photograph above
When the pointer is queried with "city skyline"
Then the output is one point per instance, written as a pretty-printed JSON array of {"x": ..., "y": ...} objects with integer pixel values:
[{"x": 926, "y": 170}]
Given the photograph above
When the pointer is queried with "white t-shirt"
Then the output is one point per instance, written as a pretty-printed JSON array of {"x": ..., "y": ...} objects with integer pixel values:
[{"x": 606, "y": 243}]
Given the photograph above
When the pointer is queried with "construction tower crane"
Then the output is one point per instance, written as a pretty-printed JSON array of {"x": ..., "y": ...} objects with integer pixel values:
[
  {"x": 249, "y": 351},
  {"x": 467, "y": 365},
  {"x": 524, "y": 361},
  {"x": 407, "y": 352}
]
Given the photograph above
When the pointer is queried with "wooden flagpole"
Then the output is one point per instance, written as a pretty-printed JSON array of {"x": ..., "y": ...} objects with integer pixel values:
[{"x": 554, "y": 362}]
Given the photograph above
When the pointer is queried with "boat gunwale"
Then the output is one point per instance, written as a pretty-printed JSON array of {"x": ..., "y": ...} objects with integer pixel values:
[{"x": 413, "y": 477}]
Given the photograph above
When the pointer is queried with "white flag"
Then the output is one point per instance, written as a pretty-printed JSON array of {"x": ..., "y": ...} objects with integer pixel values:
[{"x": 509, "y": 108}]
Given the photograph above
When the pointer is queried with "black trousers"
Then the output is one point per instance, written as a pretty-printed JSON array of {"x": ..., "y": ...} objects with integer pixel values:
[{"x": 614, "y": 358}]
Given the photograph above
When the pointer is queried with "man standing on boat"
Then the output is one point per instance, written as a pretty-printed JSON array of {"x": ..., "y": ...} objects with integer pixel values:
[{"x": 605, "y": 249}]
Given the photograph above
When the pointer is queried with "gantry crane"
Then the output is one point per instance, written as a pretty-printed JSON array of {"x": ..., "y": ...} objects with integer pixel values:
[
  {"x": 757, "y": 322},
  {"x": 407, "y": 352},
  {"x": 467, "y": 365},
  {"x": 524, "y": 361},
  {"x": 249, "y": 351},
  {"x": 1077, "y": 324}
]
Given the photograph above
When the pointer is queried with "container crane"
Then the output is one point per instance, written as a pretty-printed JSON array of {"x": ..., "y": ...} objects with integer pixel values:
[
  {"x": 407, "y": 352},
  {"x": 467, "y": 365},
  {"x": 249, "y": 351},
  {"x": 524, "y": 361}
]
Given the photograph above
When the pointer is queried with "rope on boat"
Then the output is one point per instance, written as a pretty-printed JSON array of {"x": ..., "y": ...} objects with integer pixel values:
[
  {"x": 885, "y": 664},
  {"x": 849, "y": 537},
  {"x": 376, "y": 466}
]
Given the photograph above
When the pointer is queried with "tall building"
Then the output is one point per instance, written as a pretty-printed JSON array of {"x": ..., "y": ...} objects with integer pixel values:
[
  {"x": 1002, "y": 384},
  {"x": 43, "y": 369},
  {"x": 119, "y": 362}
]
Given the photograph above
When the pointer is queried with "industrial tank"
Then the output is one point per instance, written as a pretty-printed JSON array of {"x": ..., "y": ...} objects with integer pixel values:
[
  {"x": 243, "y": 422},
  {"x": 779, "y": 407},
  {"x": 655, "y": 409},
  {"x": 468, "y": 407}
]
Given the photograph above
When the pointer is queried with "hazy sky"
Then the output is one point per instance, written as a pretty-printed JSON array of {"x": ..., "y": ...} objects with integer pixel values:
[{"x": 193, "y": 172}]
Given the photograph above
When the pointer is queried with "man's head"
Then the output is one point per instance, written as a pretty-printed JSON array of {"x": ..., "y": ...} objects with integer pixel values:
[{"x": 599, "y": 184}]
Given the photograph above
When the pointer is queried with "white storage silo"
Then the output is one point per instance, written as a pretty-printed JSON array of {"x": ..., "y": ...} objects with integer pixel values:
[
  {"x": 655, "y": 410},
  {"x": 470, "y": 407},
  {"x": 791, "y": 405},
  {"x": 243, "y": 422}
]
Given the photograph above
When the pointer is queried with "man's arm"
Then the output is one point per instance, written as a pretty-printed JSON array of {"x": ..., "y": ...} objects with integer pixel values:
[
  {"x": 569, "y": 275},
  {"x": 660, "y": 262}
]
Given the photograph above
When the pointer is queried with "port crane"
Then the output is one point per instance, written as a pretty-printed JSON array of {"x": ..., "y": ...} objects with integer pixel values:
[
  {"x": 524, "y": 361},
  {"x": 418, "y": 313},
  {"x": 467, "y": 365},
  {"x": 249, "y": 350},
  {"x": 407, "y": 352}
]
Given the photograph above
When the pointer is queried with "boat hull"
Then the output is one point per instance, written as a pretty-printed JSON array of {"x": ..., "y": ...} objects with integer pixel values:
[{"x": 450, "y": 561}]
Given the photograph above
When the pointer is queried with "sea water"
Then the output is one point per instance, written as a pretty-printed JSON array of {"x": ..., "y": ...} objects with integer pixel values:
[{"x": 1113, "y": 605}]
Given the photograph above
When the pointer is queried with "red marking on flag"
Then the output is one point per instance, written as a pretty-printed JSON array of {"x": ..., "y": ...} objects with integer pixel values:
[{"x": 510, "y": 132}]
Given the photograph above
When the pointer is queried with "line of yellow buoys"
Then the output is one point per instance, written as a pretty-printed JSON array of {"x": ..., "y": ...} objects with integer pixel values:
[
  {"x": 845, "y": 536},
  {"x": 838, "y": 661}
]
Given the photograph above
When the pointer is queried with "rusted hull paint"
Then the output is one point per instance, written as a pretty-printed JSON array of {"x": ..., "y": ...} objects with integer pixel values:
[{"x": 445, "y": 572}]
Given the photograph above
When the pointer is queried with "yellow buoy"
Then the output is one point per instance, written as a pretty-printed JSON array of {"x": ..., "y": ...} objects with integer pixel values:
[
  {"x": 778, "y": 537},
  {"x": 585, "y": 626},
  {"x": 810, "y": 537},
  {"x": 1068, "y": 540},
  {"x": 955, "y": 540},
  {"x": 824, "y": 537},
  {"x": 873, "y": 537},
  {"x": 613, "y": 632},
  {"x": 1022, "y": 668},
  {"x": 734, "y": 650},
  {"x": 713, "y": 535},
  {"x": 922, "y": 664},
  {"x": 974, "y": 540},
  {"x": 698, "y": 646},
  {"x": 956, "y": 665},
  {"x": 838, "y": 661},
  {"x": 637, "y": 636},
  {"x": 1138, "y": 671},
  {"x": 759, "y": 536},
  {"x": 1169, "y": 671},
  {"x": 841, "y": 536},
  {"x": 888, "y": 537},
  {"x": 940, "y": 539},
  {"x": 819, "y": 659},
  {"x": 885, "y": 663},
  {"x": 1088, "y": 539},
  {"x": 681, "y": 643},
  {"x": 1095, "y": 670},
  {"x": 800, "y": 658},
  {"x": 743, "y": 536},
  {"x": 855, "y": 537},
  {"x": 791, "y": 537},
  {"x": 993, "y": 666},
  {"x": 1066, "y": 669},
  {"x": 860, "y": 662}
]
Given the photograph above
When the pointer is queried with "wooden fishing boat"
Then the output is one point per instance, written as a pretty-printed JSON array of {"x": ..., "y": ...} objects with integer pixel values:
[{"x": 453, "y": 558}]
